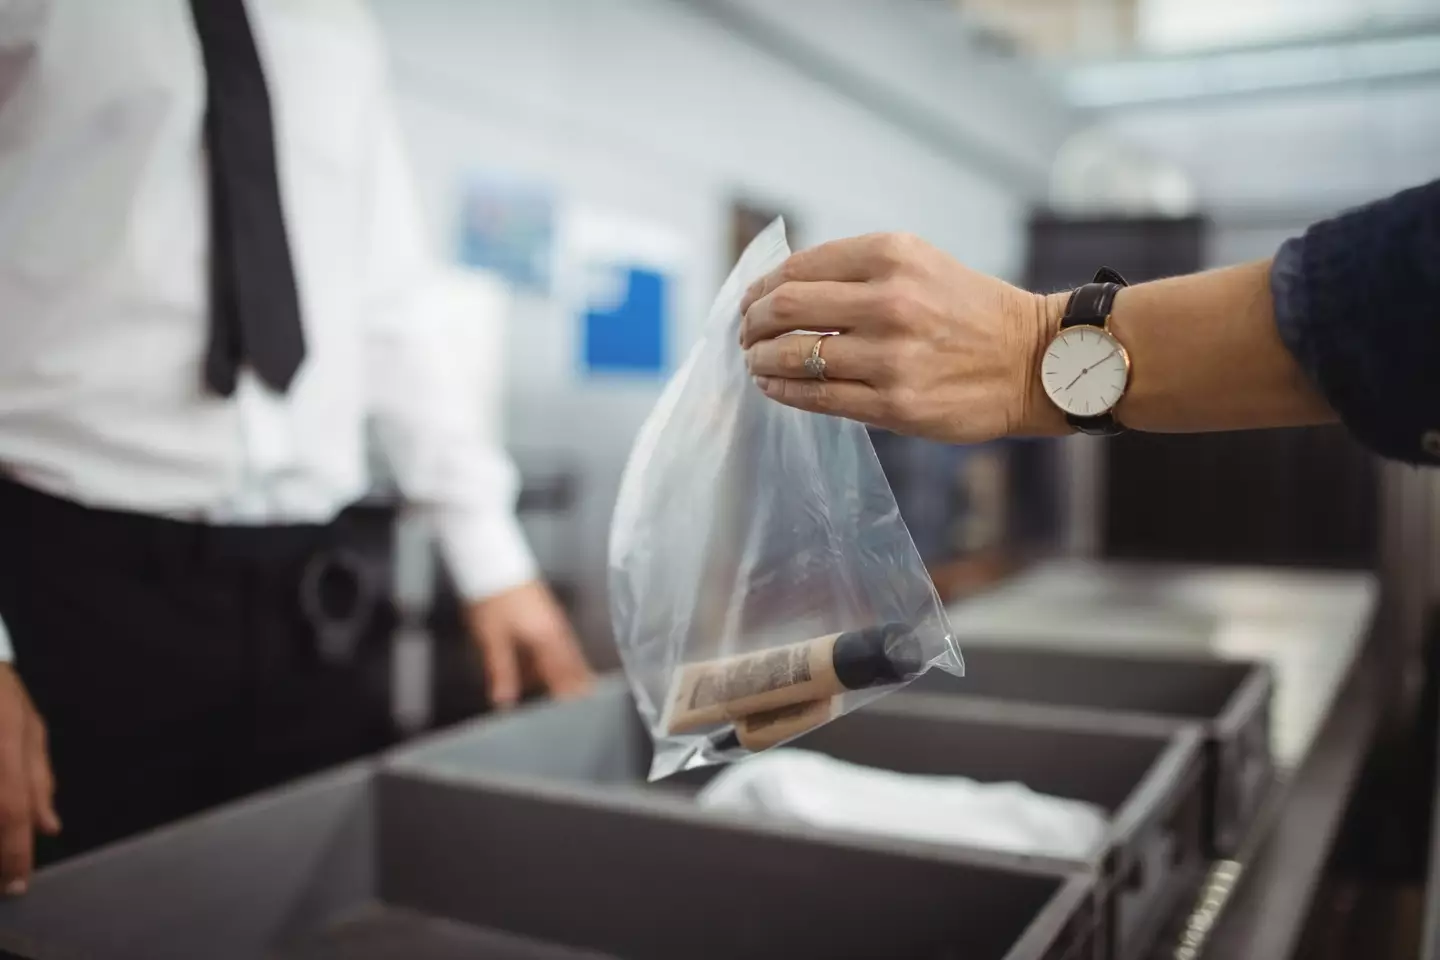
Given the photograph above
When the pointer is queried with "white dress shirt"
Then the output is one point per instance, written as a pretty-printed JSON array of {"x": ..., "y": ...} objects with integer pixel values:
[{"x": 104, "y": 290}]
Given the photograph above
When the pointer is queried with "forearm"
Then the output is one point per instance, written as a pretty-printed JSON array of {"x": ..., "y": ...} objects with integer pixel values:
[
  {"x": 1204, "y": 355},
  {"x": 1341, "y": 325},
  {"x": 449, "y": 465},
  {"x": 485, "y": 550},
  {"x": 434, "y": 386}
]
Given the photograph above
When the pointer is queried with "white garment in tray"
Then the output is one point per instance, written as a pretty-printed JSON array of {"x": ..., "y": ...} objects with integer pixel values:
[{"x": 820, "y": 790}]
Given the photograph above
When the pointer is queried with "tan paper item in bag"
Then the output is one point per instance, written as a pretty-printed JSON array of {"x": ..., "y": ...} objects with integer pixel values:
[
  {"x": 717, "y": 691},
  {"x": 760, "y": 731}
]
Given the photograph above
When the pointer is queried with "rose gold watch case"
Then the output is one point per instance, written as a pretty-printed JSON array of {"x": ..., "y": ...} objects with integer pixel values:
[{"x": 1103, "y": 330}]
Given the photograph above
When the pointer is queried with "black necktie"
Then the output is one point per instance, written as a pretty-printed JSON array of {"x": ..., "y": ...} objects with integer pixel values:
[{"x": 254, "y": 307}]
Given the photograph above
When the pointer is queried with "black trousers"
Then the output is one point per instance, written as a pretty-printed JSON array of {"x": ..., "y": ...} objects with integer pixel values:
[{"x": 172, "y": 662}]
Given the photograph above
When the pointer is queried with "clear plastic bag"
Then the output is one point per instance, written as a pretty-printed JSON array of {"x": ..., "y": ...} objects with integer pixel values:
[{"x": 761, "y": 579}]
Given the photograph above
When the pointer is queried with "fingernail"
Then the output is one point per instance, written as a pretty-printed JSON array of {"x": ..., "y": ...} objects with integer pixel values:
[
  {"x": 748, "y": 366},
  {"x": 763, "y": 383},
  {"x": 15, "y": 888}
]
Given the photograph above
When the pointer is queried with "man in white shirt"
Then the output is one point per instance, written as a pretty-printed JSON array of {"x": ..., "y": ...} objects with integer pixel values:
[{"x": 206, "y": 294}]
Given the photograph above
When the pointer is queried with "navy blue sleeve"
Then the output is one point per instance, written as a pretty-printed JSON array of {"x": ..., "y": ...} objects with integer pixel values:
[{"x": 1357, "y": 301}]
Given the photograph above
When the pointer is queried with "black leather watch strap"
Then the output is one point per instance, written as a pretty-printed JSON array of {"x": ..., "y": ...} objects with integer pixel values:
[{"x": 1090, "y": 305}]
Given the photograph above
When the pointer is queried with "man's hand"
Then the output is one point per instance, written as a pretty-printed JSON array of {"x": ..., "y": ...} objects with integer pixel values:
[
  {"x": 527, "y": 644},
  {"x": 27, "y": 788}
]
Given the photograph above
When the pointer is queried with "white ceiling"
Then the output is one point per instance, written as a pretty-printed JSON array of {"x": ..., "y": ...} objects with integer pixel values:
[
  {"x": 1261, "y": 158},
  {"x": 1164, "y": 26},
  {"x": 1098, "y": 29}
]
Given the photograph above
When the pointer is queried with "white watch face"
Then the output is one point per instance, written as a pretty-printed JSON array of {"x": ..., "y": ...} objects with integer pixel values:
[{"x": 1084, "y": 371}]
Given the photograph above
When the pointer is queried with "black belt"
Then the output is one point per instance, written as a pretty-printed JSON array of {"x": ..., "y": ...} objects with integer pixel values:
[
  {"x": 336, "y": 590},
  {"x": 130, "y": 536}
]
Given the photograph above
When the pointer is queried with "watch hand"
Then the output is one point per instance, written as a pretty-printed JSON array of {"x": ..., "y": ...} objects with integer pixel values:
[{"x": 1091, "y": 367}]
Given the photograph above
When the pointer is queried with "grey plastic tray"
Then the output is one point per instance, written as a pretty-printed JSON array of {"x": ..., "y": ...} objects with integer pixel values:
[
  {"x": 362, "y": 864},
  {"x": 1146, "y": 774},
  {"x": 1231, "y": 699}
]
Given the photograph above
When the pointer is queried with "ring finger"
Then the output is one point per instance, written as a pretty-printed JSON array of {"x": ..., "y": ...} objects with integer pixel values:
[{"x": 846, "y": 356}]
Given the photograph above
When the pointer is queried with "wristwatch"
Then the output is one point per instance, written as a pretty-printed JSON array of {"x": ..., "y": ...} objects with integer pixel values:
[{"x": 1085, "y": 370}]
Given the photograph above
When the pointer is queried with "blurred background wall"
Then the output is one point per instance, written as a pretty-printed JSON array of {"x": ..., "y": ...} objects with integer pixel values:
[
  {"x": 644, "y": 123},
  {"x": 665, "y": 113}
]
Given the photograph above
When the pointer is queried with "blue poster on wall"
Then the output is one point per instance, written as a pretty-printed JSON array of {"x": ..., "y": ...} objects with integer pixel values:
[
  {"x": 508, "y": 228},
  {"x": 623, "y": 275},
  {"x": 625, "y": 331}
]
